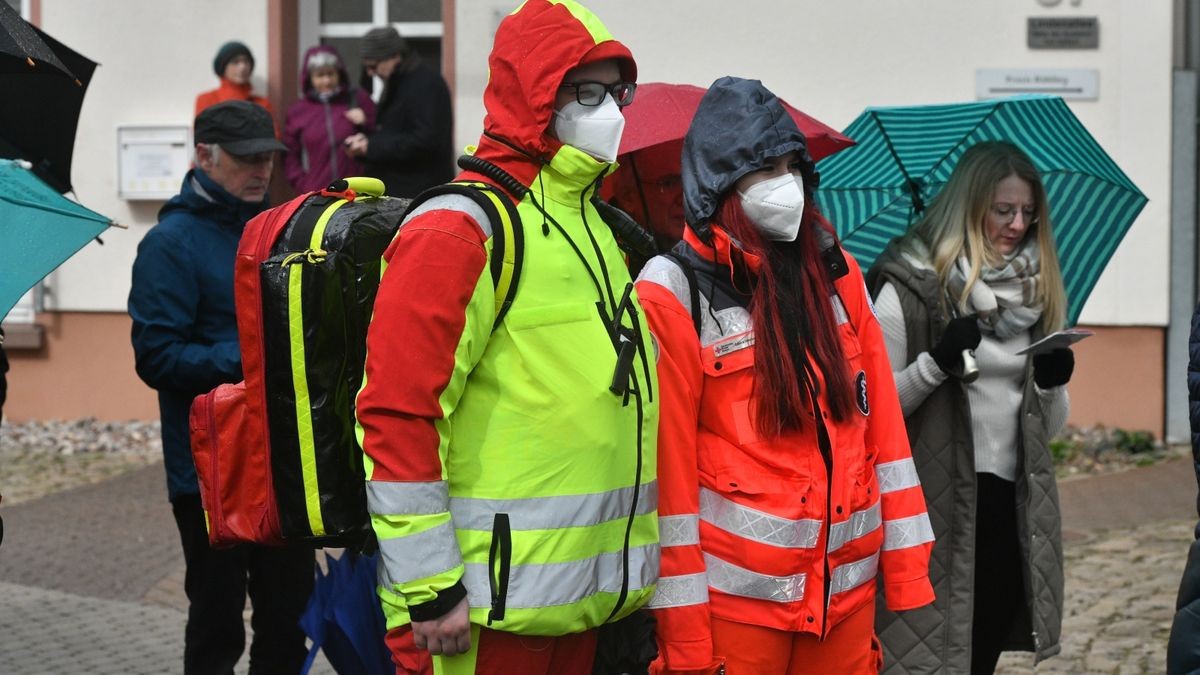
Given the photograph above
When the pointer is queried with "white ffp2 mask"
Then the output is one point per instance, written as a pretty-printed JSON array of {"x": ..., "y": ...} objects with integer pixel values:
[
  {"x": 594, "y": 129},
  {"x": 776, "y": 206}
]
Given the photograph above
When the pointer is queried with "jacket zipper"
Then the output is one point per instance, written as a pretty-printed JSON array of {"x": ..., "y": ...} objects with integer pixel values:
[
  {"x": 333, "y": 148},
  {"x": 827, "y": 456}
]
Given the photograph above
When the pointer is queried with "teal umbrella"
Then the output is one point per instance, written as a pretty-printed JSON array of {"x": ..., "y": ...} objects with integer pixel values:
[
  {"x": 903, "y": 155},
  {"x": 39, "y": 229}
]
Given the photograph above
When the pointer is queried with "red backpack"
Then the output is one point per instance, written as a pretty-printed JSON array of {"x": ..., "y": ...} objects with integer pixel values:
[
  {"x": 276, "y": 454},
  {"x": 307, "y": 239}
]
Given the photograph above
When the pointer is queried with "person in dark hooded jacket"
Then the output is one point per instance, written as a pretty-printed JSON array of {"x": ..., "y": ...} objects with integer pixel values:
[
  {"x": 785, "y": 478},
  {"x": 330, "y": 110},
  {"x": 411, "y": 147},
  {"x": 185, "y": 343},
  {"x": 1183, "y": 648}
]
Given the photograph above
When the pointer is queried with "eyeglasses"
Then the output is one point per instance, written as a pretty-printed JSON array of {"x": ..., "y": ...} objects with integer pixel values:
[
  {"x": 1008, "y": 213},
  {"x": 592, "y": 93}
]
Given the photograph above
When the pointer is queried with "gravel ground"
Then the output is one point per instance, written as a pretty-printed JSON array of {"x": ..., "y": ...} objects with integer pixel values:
[{"x": 39, "y": 458}]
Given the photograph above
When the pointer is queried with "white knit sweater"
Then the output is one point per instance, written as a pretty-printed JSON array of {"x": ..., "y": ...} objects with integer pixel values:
[{"x": 995, "y": 398}]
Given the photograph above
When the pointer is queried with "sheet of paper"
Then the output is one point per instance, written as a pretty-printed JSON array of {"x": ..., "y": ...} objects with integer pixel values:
[{"x": 1063, "y": 338}]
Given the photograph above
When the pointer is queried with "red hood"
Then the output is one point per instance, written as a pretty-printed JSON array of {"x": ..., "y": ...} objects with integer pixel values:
[{"x": 535, "y": 46}]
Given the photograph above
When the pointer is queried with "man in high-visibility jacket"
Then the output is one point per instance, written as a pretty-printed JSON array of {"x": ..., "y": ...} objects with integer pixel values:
[{"x": 511, "y": 470}]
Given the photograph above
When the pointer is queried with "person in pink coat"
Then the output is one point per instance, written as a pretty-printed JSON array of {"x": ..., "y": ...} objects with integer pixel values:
[{"x": 328, "y": 111}]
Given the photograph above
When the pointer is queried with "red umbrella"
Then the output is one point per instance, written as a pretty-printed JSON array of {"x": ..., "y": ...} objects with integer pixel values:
[
  {"x": 661, "y": 113},
  {"x": 647, "y": 182}
]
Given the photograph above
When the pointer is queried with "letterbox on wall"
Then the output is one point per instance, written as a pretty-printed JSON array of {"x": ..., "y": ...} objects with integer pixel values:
[{"x": 152, "y": 160}]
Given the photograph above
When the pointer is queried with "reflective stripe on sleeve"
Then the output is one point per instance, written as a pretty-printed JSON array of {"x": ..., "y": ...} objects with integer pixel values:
[
  {"x": 392, "y": 498},
  {"x": 556, "y": 512},
  {"x": 420, "y": 555},
  {"x": 680, "y": 591},
  {"x": 678, "y": 530},
  {"x": 854, "y": 574},
  {"x": 898, "y": 475},
  {"x": 755, "y": 525},
  {"x": 734, "y": 580},
  {"x": 859, "y": 524},
  {"x": 562, "y": 583},
  {"x": 906, "y": 532}
]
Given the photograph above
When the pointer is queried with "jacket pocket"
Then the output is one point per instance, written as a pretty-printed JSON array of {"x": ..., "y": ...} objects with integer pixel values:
[
  {"x": 233, "y": 468},
  {"x": 742, "y": 501},
  {"x": 524, "y": 318},
  {"x": 729, "y": 385}
]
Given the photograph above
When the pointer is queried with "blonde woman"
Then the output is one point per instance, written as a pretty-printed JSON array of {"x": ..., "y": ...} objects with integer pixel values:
[{"x": 980, "y": 272}]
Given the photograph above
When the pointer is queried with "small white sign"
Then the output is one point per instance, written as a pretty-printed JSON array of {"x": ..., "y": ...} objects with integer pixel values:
[
  {"x": 1077, "y": 85},
  {"x": 152, "y": 161}
]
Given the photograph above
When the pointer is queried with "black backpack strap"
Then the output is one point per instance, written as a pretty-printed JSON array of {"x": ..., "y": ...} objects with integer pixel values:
[
  {"x": 508, "y": 237},
  {"x": 693, "y": 287}
]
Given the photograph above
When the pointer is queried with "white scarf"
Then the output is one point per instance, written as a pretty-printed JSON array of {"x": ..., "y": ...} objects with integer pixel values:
[{"x": 1004, "y": 297}]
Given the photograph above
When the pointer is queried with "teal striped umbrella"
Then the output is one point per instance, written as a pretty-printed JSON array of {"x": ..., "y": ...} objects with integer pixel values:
[{"x": 903, "y": 155}]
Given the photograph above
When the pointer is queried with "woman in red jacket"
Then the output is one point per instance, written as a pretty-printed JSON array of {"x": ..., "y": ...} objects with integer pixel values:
[{"x": 786, "y": 480}]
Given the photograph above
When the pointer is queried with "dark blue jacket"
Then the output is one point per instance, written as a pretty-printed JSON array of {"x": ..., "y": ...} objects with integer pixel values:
[
  {"x": 1183, "y": 649},
  {"x": 181, "y": 301}
]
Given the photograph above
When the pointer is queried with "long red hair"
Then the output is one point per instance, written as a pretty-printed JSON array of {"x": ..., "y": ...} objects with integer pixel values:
[{"x": 796, "y": 333}]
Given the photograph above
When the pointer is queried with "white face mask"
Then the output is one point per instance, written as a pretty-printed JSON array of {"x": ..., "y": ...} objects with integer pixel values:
[
  {"x": 594, "y": 129},
  {"x": 776, "y": 206}
]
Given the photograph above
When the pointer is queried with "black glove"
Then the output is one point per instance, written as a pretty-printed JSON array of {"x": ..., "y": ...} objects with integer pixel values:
[
  {"x": 1053, "y": 368},
  {"x": 961, "y": 333}
]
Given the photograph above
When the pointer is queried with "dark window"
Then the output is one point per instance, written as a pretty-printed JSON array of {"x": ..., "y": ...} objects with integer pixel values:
[
  {"x": 345, "y": 11},
  {"x": 414, "y": 10}
]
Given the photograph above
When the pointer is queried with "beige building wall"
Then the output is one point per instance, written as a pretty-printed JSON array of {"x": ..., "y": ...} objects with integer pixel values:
[
  {"x": 833, "y": 59},
  {"x": 85, "y": 369},
  {"x": 829, "y": 58},
  {"x": 155, "y": 56}
]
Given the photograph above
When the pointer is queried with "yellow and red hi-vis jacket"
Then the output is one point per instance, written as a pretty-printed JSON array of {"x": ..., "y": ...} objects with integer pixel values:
[
  {"x": 757, "y": 530},
  {"x": 510, "y": 463}
]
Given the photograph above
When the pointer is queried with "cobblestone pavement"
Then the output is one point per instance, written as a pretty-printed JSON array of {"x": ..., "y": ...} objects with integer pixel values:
[
  {"x": 1125, "y": 539},
  {"x": 91, "y": 581},
  {"x": 91, "y": 577}
]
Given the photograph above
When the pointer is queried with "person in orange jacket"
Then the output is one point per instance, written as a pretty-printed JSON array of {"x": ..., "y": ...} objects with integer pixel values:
[
  {"x": 786, "y": 482},
  {"x": 233, "y": 64}
]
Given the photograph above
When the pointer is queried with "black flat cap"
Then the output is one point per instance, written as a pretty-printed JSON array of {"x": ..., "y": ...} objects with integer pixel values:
[{"x": 239, "y": 127}]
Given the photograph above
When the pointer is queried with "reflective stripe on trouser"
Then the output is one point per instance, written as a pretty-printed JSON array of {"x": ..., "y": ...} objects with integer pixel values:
[
  {"x": 735, "y": 580},
  {"x": 756, "y": 525}
]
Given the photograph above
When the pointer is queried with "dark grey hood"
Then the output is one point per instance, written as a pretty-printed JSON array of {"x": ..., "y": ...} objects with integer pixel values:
[{"x": 738, "y": 126}]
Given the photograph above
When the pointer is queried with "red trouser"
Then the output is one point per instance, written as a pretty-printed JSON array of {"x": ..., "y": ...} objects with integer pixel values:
[
  {"x": 500, "y": 653},
  {"x": 850, "y": 648}
]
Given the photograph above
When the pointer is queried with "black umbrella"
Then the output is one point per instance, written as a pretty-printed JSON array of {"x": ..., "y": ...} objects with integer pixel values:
[
  {"x": 21, "y": 46},
  {"x": 41, "y": 103}
]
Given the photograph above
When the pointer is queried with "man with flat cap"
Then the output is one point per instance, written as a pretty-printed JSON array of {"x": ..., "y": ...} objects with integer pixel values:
[
  {"x": 411, "y": 148},
  {"x": 185, "y": 342}
]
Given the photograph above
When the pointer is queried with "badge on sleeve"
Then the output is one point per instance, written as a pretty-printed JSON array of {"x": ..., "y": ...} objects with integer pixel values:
[{"x": 860, "y": 393}]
